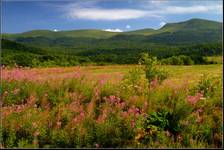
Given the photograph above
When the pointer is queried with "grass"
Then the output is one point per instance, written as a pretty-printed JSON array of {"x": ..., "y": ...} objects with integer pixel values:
[
  {"x": 102, "y": 107},
  {"x": 116, "y": 72}
]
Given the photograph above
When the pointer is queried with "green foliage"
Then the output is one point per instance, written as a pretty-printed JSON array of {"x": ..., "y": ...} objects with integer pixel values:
[
  {"x": 178, "y": 60},
  {"x": 207, "y": 85},
  {"x": 159, "y": 119},
  {"x": 15, "y": 93},
  {"x": 132, "y": 80},
  {"x": 78, "y": 113},
  {"x": 150, "y": 68},
  {"x": 43, "y": 48}
]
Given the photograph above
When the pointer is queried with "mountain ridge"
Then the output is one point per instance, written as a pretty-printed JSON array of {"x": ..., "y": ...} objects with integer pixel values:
[
  {"x": 193, "y": 31},
  {"x": 109, "y": 32}
]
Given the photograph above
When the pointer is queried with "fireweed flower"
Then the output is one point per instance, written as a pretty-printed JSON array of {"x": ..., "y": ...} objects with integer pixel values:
[
  {"x": 132, "y": 124},
  {"x": 112, "y": 99},
  {"x": 200, "y": 110},
  {"x": 102, "y": 82},
  {"x": 82, "y": 114},
  {"x": 97, "y": 92},
  {"x": 154, "y": 83},
  {"x": 194, "y": 99}
]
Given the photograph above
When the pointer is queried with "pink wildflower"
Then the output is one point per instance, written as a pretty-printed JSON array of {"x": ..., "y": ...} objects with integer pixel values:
[
  {"x": 112, "y": 98},
  {"x": 77, "y": 74},
  {"x": 137, "y": 110},
  {"x": 102, "y": 82},
  {"x": 132, "y": 124},
  {"x": 122, "y": 104},
  {"x": 194, "y": 99},
  {"x": 131, "y": 110},
  {"x": 97, "y": 92},
  {"x": 75, "y": 119},
  {"x": 200, "y": 110},
  {"x": 82, "y": 114},
  {"x": 154, "y": 83},
  {"x": 134, "y": 98}
]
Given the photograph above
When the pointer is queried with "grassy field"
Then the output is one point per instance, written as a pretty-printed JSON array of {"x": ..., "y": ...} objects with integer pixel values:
[
  {"x": 116, "y": 72},
  {"x": 112, "y": 106}
]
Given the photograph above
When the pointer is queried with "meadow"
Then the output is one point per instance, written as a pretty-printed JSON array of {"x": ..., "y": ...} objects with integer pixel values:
[{"x": 112, "y": 106}]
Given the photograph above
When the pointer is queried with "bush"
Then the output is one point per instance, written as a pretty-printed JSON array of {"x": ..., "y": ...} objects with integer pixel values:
[
  {"x": 150, "y": 68},
  {"x": 207, "y": 85},
  {"x": 178, "y": 60}
]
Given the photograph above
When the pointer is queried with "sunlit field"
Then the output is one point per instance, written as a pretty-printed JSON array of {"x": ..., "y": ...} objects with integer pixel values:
[
  {"x": 113, "y": 73},
  {"x": 112, "y": 106}
]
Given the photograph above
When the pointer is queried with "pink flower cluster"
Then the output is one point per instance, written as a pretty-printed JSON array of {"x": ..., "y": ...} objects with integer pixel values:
[
  {"x": 18, "y": 74},
  {"x": 79, "y": 117},
  {"x": 194, "y": 99},
  {"x": 112, "y": 99},
  {"x": 154, "y": 83},
  {"x": 19, "y": 108}
]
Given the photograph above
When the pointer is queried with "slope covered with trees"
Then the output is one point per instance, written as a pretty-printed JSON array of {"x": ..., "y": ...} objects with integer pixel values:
[{"x": 194, "y": 38}]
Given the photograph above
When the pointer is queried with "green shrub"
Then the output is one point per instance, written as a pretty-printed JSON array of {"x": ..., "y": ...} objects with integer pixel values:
[{"x": 150, "y": 69}]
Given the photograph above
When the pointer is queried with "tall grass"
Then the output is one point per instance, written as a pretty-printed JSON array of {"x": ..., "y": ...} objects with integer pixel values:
[{"x": 134, "y": 113}]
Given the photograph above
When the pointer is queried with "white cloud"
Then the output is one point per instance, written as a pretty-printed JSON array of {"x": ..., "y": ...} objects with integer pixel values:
[
  {"x": 90, "y": 10},
  {"x": 128, "y": 26},
  {"x": 185, "y": 10},
  {"x": 113, "y": 30},
  {"x": 158, "y": 2},
  {"x": 162, "y": 24},
  {"x": 107, "y": 14},
  {"x": 55, "y": 30}
]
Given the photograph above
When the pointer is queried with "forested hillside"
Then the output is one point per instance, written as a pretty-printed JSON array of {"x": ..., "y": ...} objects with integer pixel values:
[{"x": 194, "y": 38}]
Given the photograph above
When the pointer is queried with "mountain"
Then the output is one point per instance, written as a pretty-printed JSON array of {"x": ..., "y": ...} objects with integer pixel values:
[
  {"x": 188, "y": 32},
  {"x": 192, "y": 24},
  {"x": 90, "y": 33},
  {"x": 201, "y": 37},
  {"x": 142, "y": 32},
  {"x": 15, "y": 47}
]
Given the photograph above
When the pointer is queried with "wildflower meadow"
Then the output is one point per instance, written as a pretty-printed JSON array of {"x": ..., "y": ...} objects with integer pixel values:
[{"x": 141, "y": 106}]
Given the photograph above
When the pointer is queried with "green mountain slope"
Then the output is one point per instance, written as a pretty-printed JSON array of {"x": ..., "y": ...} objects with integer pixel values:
[
  {"x": 193, "y": 31},
  {"x": 100, "y": 46},
  {"x": 192, "y": 24},
  {"x": 98, "y": 34}
]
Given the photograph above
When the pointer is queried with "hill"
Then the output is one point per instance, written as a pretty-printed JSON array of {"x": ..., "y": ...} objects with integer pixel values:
[{"x": 195, "y": 36}]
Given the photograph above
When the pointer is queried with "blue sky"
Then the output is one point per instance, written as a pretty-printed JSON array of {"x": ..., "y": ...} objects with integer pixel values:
[{"x": 110, "y": 15}]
